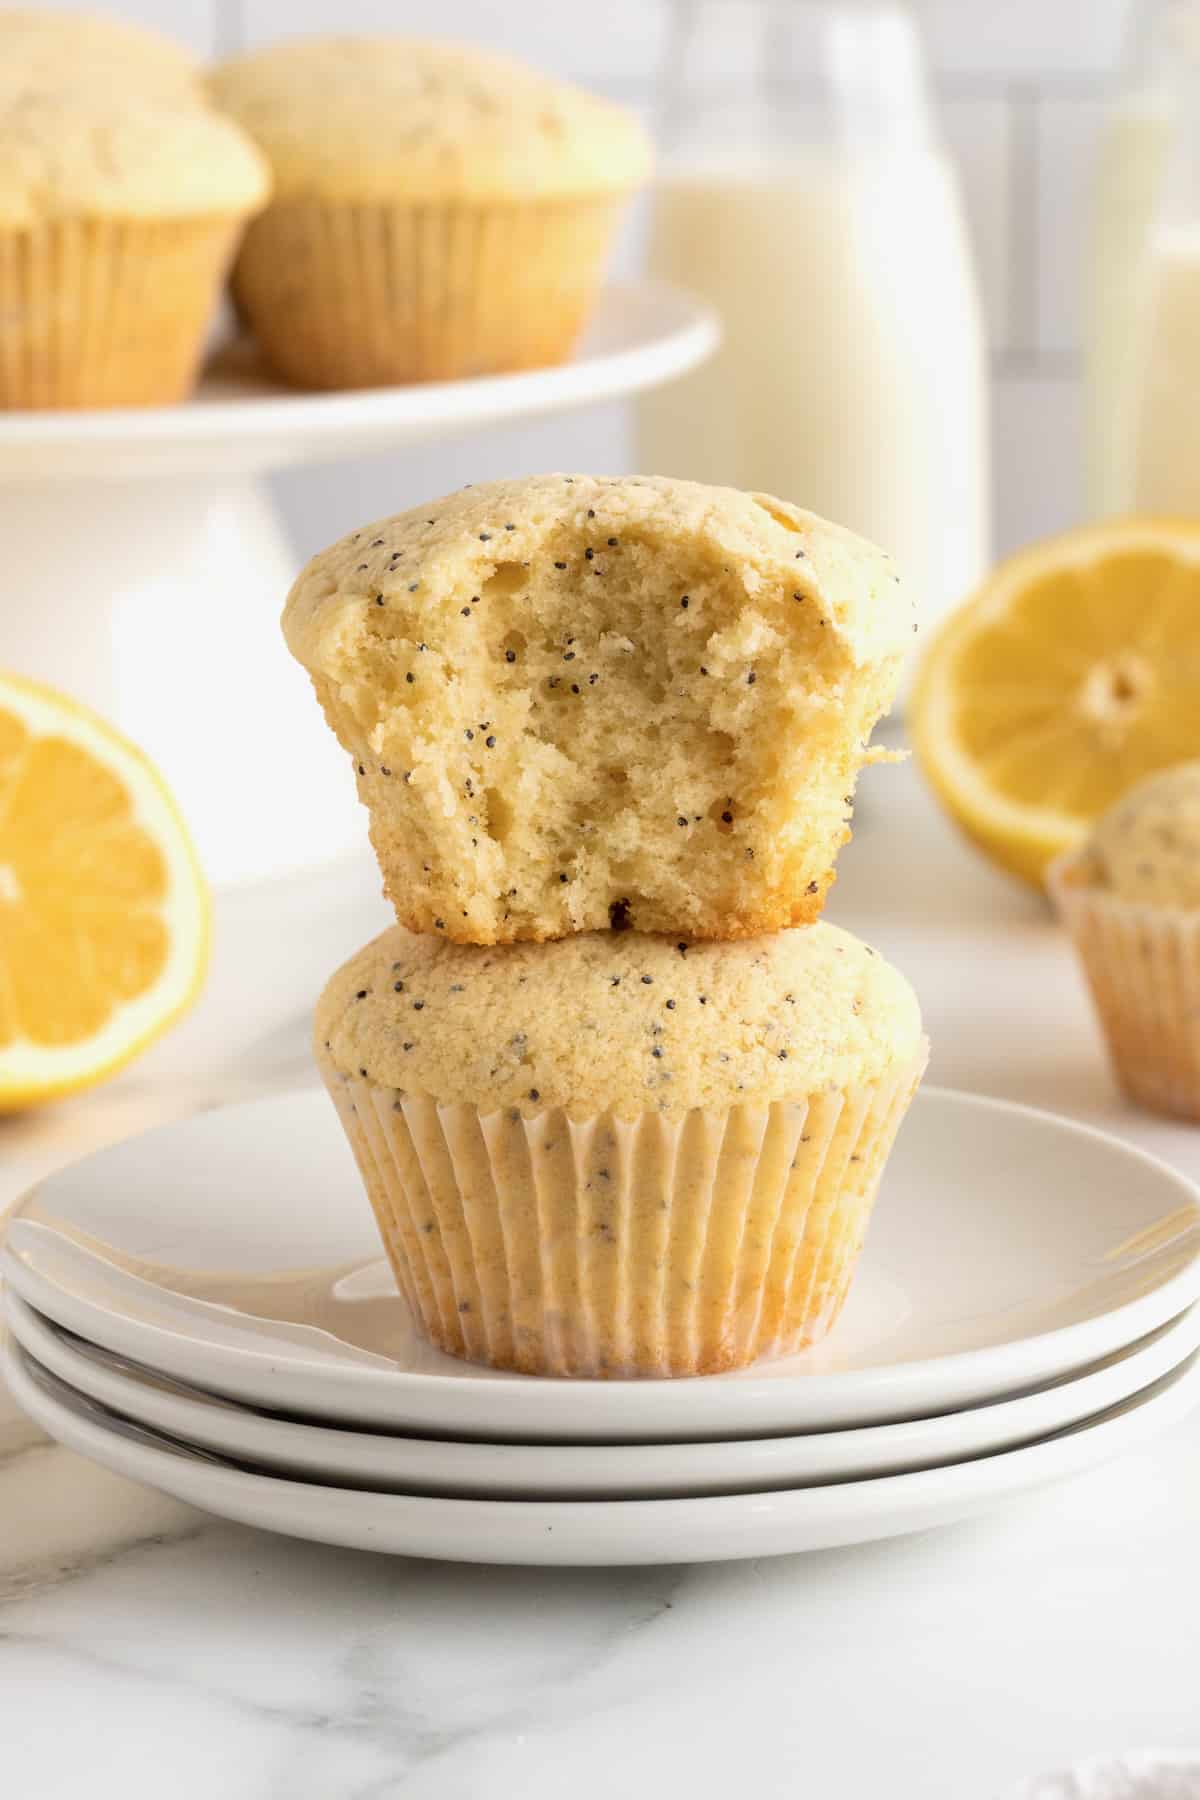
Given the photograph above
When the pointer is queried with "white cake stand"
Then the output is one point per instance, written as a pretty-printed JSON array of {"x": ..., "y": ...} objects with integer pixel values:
[{"x": 144, "y": 567}]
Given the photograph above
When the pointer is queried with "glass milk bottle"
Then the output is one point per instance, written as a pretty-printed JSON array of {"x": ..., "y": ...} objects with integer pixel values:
[
  {"x": 1164, "y": 411},
  {"x": 805, "y": 192},
  {"x": 1139, "y": 141}
]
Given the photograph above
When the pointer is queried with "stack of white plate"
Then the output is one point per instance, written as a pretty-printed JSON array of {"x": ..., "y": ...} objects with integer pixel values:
[{"x": 205, "y": 1309}]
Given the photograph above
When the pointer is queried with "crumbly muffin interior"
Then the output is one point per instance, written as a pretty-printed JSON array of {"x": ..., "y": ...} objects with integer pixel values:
[{"x": 610, "y": 729}]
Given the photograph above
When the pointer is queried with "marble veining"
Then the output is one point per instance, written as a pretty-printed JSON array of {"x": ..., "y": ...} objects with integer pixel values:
[{"x": 258, "y": 1668}]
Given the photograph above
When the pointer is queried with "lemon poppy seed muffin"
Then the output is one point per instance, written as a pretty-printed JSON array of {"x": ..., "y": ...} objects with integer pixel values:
[
  {"x": 1130, "y": 897},
  {"x": 44, "y": 48},
  {"x": 1146, "y": 848},
  {"x": 119, "y": 213},
  {"x": 575, "y": 703},
  {"x": 440, "y": 211},
  {"x": 617, "y": 1154}
]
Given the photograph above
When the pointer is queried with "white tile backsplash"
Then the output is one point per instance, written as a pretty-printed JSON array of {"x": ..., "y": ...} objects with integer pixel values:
[
  {"x": 1029, "y": 39},
  {"x": 1068, "y": 133},
  {"x": 1037, "y": 456}
]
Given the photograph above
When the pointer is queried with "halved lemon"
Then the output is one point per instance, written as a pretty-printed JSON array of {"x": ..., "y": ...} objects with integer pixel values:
[
  {"x": 1070, "y": 674},
  {"x": 104, "y": 913}
]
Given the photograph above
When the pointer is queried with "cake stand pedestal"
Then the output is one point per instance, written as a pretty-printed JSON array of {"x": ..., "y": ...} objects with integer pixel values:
[{"x": 144, "y": 566}]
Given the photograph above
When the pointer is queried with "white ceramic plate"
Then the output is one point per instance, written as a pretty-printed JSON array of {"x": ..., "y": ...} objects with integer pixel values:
[
  {"x": 573, "y": 1532},
  {"x": 235, "y": 1251},
  {"x": 640, "y": 333},
  {"x": 393, "y": 1464}
]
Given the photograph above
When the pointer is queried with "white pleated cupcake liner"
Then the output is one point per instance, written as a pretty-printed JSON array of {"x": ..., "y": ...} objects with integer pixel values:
[
  {"x": 1142, "y": 965},
  {"x": 615, "y": 1247}
]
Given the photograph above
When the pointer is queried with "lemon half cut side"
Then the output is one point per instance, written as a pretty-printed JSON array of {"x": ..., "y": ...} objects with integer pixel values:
[
  {"x": 1069, "y": 675},
  {"x": 104, "y": 911}
]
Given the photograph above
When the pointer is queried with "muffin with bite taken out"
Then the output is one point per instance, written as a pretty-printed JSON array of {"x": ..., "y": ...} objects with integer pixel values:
[{"x": 574, "y": 703}]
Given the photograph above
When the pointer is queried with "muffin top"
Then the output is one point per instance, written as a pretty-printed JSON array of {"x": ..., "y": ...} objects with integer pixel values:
[
  {"x": 380, "y": 118},
  {"x": 1146, "y": 848},
  {"x": 60, "y": 48},
  {"x": 99, "y": 153},
  {"x": 415, "y": 561},
  {"x": 618, "y": 1021}
]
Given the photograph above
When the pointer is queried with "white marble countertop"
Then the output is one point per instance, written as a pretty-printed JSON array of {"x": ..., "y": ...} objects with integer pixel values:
[{"x": 146, "y": 1649}]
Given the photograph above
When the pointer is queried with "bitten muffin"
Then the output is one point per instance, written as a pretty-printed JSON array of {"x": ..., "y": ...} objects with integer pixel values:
[
  {"x": 1130, "y": 897},
  {"x": 118, "y": 216},
  {"x": 44, "y": 48},
  {"x": 574, "y": 703},
  {"x": 619, "y": 1155},
  {"x": 439, "y": 210}
]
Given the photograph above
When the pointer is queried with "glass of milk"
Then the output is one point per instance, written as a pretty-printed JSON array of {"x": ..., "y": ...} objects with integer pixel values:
[
  {"x": 1141, "y": 248},
  {"x": 804, "y": 190}
]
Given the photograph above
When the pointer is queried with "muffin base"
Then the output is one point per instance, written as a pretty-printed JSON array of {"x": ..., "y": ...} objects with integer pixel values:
[
  {"x": 97, "y": 313},
  {"x": 1142, "y": 965},
  {"x": 345, "y": 296},
  {"x": 608, "y": 1247}
]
